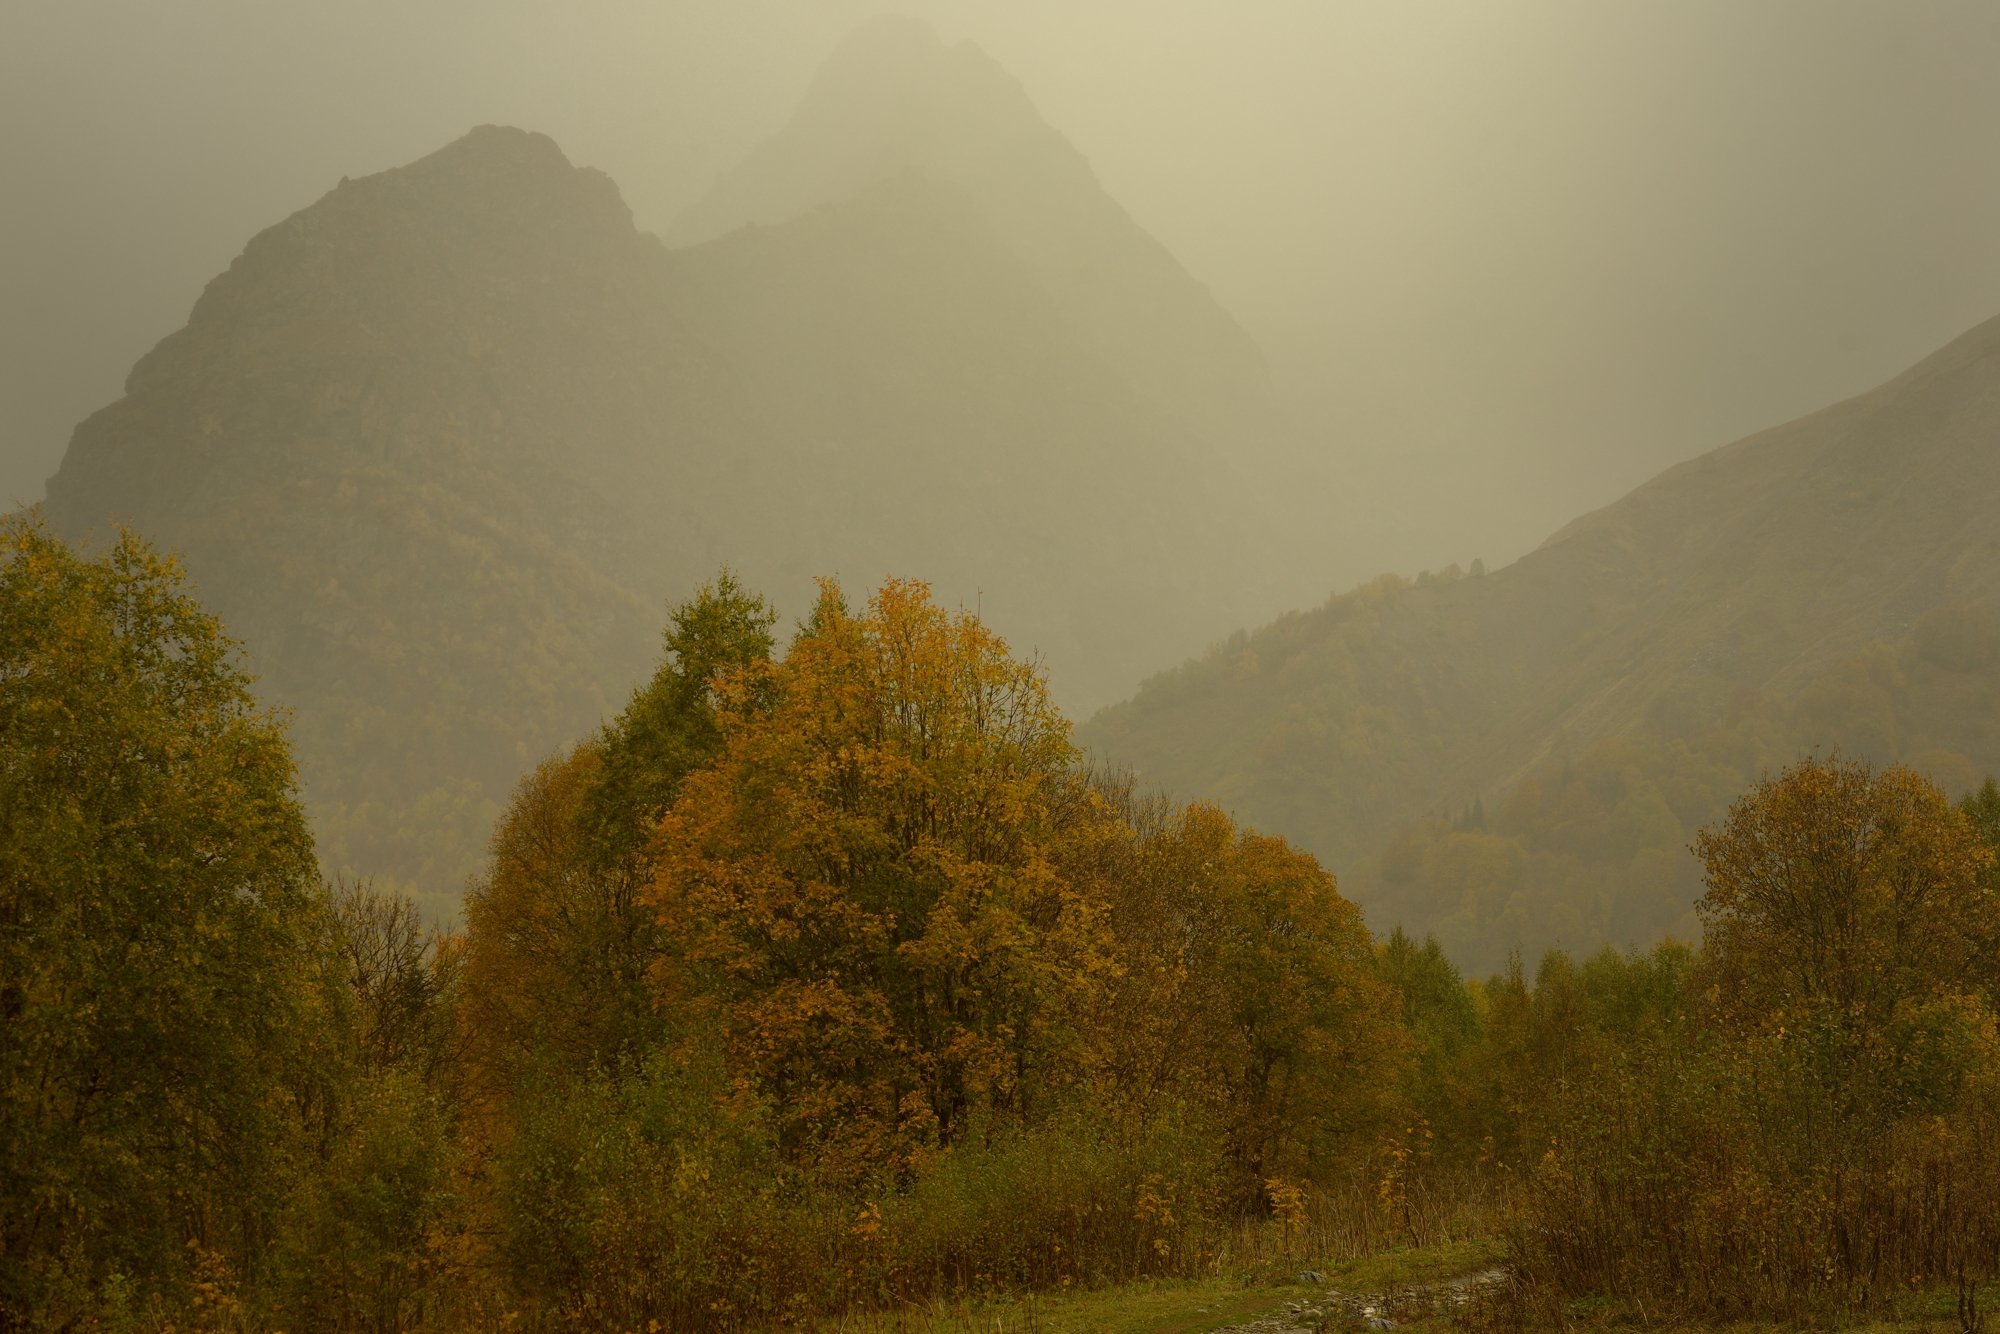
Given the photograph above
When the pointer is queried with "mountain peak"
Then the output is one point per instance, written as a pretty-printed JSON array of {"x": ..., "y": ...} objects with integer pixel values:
[
  {"x": 891, "y": 97},
  {"x": 496, "y": 195},
  {"x": 491, "y": 164},
  {"x": 894, "y": 98},
  {"x": 495, "y": 146},
  {"x": 884, "y": 43},
  {"x": 897, "y": 62}
]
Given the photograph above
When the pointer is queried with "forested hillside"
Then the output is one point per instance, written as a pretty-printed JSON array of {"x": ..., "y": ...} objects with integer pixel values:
[
  {"x": 1519, "y": 758},
  {"x": 443, "y": 443}
]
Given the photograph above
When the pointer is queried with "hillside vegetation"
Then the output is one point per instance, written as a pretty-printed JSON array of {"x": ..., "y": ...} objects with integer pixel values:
[
  {"x": 826, "y": 980},
  {"x": 1520, "y": 758}
]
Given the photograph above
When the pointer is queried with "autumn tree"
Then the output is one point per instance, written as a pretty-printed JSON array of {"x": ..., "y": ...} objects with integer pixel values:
[
  {"x": 163, "y": 970},
  {"x": 558, "y": 945},
  {"x": 1840, "y": 892},
  {"x": 868, "y": 884},
  {"x": 1803, "y": 1120},
  {"x": 1313, "y": 1039},
  {"x": 1982, "y": 811},
  {"x": 403, "y": 977},
  {"x": 1248, "y": 984},
  {"x": 901, "y": 954}
]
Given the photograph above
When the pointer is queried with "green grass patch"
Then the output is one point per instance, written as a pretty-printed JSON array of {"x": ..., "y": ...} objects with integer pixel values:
[
  {"x": 1183, "y": 1306},
  {"x": 1201, "y": 1306},
  {"x": 1932, "y": 1310},
  {"x": 1406, "y": 1267},
  {"x": 1186, "y": 1306}
]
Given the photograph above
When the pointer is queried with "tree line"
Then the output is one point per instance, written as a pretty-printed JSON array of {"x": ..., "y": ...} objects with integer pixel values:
[{"x": 829, "y": 975}]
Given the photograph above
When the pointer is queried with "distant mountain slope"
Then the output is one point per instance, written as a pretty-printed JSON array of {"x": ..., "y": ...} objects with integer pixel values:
[
  {"x": 441, "y": 446},
  {"x": 952, "y": 421},
  {"x": 895, "y": 99},
  {"x": 1789, "y": 591},
  {"x": 367, "y": 444}
]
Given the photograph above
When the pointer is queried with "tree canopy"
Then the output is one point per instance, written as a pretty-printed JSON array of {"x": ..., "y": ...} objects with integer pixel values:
[
  {"x": 876, "y": 881},
  {"x": 160, "y": 924}
]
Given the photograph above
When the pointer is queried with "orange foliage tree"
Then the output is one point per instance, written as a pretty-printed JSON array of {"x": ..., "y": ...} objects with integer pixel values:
[
  {"x": 873, "y": 883},
  {"x": 899, "y": 955}
]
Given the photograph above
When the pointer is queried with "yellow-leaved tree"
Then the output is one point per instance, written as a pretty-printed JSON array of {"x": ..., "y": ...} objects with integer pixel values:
[
  {"x": 1841, "y": 893},
  {"x": 558, "y": 944},
  {"x": 1248, "y": 987},
  {"x": 876, "y": 885},
  {"x": 904, "y": 957}
]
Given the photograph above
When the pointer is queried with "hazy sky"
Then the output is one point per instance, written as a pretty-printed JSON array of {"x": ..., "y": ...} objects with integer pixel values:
[{"x": 1516, "y": 256}]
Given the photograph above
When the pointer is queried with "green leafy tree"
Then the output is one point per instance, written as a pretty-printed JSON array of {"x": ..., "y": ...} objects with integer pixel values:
[
  {"x": 163, "y": 978},
  {"x": 1443, "y": 1023},
  {"x": 669, "y": 729},
  {"x": 558, "y": 945},
  {"x": 1982, "y": 811}
]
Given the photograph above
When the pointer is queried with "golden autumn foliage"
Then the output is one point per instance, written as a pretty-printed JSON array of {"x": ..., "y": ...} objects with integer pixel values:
[
  {"x": 835, "y": 979},
  {"x": 551, "y": 965},
  {"x": 895, "y": 995},
  {"x": 914, "y": 914},
  {"x": 1834, "y": 889},
  {"x": 1248, "y": 984},
  {"x": 878, "y": 884}
]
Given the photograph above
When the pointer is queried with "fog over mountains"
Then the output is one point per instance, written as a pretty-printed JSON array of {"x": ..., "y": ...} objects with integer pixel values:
[
  {"x": 1505, "y": 262},
  {"x": 895, "y": 99},
  {"x": 1833, "y": 583},
  {"x": 444, "y": 445},
  {"x": 735, "y": 673}
]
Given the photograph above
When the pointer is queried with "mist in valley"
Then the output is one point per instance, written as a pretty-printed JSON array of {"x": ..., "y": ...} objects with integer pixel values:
[
  {"x": 1505, "y": 262},
  {"x": 743, "y": 666}
]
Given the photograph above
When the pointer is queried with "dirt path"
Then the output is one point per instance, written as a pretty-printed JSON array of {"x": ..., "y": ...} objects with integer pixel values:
[{"x": 1372, "y": 1310}]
